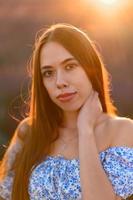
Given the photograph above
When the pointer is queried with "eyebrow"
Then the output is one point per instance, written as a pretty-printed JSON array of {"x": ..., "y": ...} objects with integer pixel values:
[{"x": 63, "y": 62}]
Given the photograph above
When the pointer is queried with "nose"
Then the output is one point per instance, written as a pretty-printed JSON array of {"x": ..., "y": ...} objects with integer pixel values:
[{"x": 60, "y": 80}]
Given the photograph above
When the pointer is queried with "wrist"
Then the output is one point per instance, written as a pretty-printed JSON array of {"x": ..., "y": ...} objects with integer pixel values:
[
  {"x": 85, "y": 126},
  {"x": 86, "y": 130}
]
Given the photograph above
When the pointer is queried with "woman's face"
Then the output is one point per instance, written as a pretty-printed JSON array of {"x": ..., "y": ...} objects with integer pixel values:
[{"x": 61, "y": 74}]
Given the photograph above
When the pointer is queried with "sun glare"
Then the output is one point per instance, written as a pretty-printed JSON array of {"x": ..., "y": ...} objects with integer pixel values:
[{"x": 109, "y": 2}]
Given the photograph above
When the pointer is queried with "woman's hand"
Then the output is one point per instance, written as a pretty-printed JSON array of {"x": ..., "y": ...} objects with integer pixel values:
[{"x": 90, "y": 111}]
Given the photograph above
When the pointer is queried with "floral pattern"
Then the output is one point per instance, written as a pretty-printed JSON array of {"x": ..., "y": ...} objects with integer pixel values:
[{"x": 58, "y": 178}]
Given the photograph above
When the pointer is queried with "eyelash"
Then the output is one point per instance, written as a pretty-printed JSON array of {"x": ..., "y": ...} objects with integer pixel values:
[{"x": 44, "y": 73}]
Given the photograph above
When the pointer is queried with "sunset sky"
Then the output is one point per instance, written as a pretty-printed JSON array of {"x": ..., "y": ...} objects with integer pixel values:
[{"x": 107, "y": 22}]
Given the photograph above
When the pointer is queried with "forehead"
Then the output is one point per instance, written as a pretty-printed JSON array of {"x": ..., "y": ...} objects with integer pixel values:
[{"x": 53, "y": 53}]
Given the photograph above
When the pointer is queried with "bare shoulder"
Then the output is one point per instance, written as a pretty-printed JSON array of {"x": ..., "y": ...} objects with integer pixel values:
[
  {"x": 1, "y": 198},
  {"x": 15, "y": 144},
  {"x": 122, "y": 131},
  {"x": 22, "y": 128},
  {"x": 20, "y": 133}
]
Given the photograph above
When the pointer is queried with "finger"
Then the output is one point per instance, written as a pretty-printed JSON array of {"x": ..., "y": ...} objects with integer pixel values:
[
  {"x": 92, "y": 94},
  {"x": 98, "y": 100},
  {"x": 96, "y": 97},
  {"x": 96, "y": 94}
]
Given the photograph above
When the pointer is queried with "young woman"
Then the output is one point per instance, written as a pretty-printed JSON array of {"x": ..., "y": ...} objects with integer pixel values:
[{"x": 73, "y": 145}]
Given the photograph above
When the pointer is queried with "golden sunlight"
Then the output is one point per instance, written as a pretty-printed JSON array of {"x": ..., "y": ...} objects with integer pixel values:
[{"x": 109, "y": 2}]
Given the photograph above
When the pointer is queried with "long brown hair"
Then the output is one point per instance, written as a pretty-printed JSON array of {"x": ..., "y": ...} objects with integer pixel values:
[{"x": 44, "y": 116}]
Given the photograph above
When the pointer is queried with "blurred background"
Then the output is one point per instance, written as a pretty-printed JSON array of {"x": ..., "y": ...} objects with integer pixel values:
[{"x": 107, "y": 22}]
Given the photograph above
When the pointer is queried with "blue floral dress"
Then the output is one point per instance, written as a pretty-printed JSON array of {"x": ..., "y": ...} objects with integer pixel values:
[{"x": 58, "y": 178}]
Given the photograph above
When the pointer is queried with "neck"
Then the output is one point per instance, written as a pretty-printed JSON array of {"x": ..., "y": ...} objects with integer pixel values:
[{"x": 69, "y": 120}]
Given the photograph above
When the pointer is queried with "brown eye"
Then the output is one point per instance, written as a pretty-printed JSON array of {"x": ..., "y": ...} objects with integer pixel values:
[
  {"x": 70, "y": 66},
  {"x": 47, "y": 73}
]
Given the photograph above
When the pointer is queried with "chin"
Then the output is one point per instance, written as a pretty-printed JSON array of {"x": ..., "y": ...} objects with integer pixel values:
[{"x": 71, "y": 107}]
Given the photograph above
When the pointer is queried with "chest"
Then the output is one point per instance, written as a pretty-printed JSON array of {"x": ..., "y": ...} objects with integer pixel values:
[
  {"x": 70, "y": 149},
  {"x": 56, "y": 178}
]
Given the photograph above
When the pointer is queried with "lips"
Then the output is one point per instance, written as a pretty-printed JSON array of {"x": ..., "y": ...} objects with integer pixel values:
[{"x": 66, "y": 97}]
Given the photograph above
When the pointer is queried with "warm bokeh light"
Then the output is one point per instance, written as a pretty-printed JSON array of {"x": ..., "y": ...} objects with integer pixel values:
[
  {"x": 109, "y": 2},
  {"x": 110, "y": 8},
  {"x": 113, "y": 5}
]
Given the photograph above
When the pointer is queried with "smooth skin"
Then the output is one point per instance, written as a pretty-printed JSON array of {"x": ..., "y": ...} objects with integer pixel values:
[
  {"x": 85, "y": 113},
  {"x": 62, "y": 77},
  {"x": 94, "y": 130}
]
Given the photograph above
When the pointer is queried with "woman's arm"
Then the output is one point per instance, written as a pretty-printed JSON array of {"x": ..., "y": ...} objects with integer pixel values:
[
  {"x": 8, "y": 161},
  {"x": 94, "y": 181},
  {"x": 15, "y": 145},
  {"x": 1, "y": 198}
]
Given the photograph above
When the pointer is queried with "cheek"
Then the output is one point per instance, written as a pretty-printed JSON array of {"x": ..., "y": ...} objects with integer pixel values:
[
  {"x": 85, "y": 91},
  {"x": 51, "y": 90},
  {"x": 84, "y": 79},
  {"x": 48, "y": 87},
  {"x": 89, "y": 86},
  {"x": 85, "y": 85}
]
